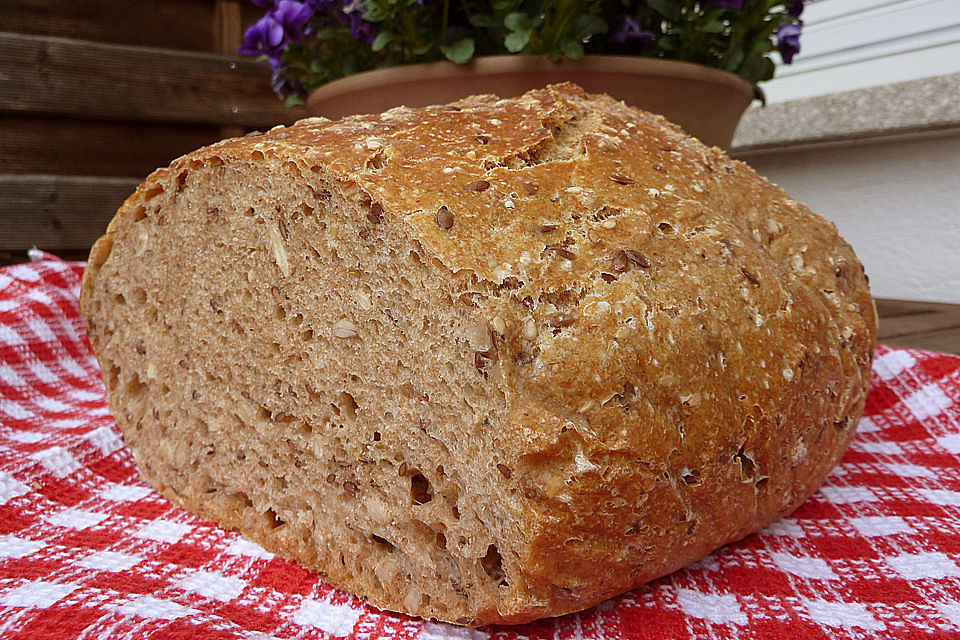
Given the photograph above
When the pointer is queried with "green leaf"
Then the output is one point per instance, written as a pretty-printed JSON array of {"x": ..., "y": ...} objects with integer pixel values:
[
  {"x": 483, "y": 21},
  {"x": 422, "y": 49},
  {"x": 516, "y": 41},
  {"x": 768, "y": 69},
  {"x": 460, "y": 51},
  {"x": 572, "y": 49},
  {"x": 292, "y": 101},
  {"x": 587, "y": 25},
  {"x": 735, "y": 60},
  {"x": 517, "y": 21},
  {"x": 753, "y": 67},
  {"x": 668, "y": 42},
  {"x": 669, "y": 9},
  {"x": 377, "y": 15},
  {"x": 502, "y": 5},
  {"x": 763, "y": 45},
  {"x": 709, "y": 26},
  {"x": 383, "y": 39},
  {"x": 378, "y": 11}
]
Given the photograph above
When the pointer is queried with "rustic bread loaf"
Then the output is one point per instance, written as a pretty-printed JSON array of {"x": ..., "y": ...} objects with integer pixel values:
[{"x": 484, "y": 362}]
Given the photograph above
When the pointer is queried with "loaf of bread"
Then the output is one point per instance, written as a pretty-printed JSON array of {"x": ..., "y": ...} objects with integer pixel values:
[{"x": 484, "y": 362}]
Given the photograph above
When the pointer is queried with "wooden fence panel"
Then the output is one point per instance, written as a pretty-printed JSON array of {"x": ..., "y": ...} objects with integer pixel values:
[
  {"x": 73, "y": 146},
  {"x": 173, "y": 24},
  {"x": 57, "y": 76},
  {"x": 58, "y": 212}
]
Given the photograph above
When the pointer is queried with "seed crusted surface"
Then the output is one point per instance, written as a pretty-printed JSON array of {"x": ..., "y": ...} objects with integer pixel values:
[{"x": 665, "y": 351}]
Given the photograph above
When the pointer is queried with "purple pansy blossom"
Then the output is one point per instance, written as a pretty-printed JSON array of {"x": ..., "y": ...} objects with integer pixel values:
[
  {"x": 630, "y": 31},
  {"x": 729, "y": 4},
  {"x": 795, "y": 8},
  {"x": 788, "y": 41},
  {"x": 361, "y": 30},
  {"x": 265, "y": 37},
  {"x": 350, "y": 14},
  {"x": 294, "y": 17},
  {"x": 282, "y": 83}
]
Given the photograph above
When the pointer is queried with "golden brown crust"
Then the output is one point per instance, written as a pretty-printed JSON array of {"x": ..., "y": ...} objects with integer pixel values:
[{"x": 684, "y": 351}]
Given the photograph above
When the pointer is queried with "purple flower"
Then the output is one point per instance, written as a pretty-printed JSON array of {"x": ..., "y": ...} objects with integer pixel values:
[
  {"x": 795, "y": 8},
  {"x": 282, "y": 83},
  {"x": 350, "y": 14},
  {"x": 261, "y": 3},
  {"x": 630, "y": 31},
  {"x": 730, "y": 4},
  {"x": 361, "y": 30},
  {"x": 265, "y": 37},
  {"x": 293, "y": 16},
  {"x": 788, "y": 41}
]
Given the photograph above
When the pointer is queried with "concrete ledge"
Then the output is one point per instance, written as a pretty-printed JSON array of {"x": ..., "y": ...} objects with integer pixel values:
[{"x": 915, "y": 107}]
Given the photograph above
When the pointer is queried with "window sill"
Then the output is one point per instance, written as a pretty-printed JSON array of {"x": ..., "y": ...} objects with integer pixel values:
[{"x": 904, "y": 109}]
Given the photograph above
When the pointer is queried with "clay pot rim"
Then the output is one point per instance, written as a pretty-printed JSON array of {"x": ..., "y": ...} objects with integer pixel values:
[{"x": 519, "y": 63}]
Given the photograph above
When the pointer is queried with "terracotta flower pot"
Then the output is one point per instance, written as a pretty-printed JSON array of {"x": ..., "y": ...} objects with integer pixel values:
[{"x": 706, "y": 102}]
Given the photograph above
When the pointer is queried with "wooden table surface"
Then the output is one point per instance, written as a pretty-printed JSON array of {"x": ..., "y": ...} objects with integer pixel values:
[{"x": 920, "y": 325}]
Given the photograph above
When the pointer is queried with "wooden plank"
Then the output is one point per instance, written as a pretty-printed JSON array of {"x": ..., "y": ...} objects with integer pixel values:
[
  {"x": 58, "y": 212},
  {"x": 920, "y": 325},
  {"x": 946, "y": 341},
  {"x": 39, "y": 144},
  {"x": 249, "y": 14},
  {"x": 889, "y": 308},
  {"x": 20, "y": 255},
  {"x": 227, "y": 37},
  {"x": 172, "y": 24},
  {"x": 905, "y": 325},
  {"x": 56, "y": 76},
  {"x": 227, "y": 33},
  {"x": 905, "y": 317}
]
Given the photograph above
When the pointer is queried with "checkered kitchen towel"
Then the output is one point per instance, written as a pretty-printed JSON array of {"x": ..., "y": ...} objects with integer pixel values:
[{"x": 87, "y": 550}]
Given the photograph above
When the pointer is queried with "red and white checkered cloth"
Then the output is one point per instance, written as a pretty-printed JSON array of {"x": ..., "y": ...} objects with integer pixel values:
[{"x": 88, "y": 550}]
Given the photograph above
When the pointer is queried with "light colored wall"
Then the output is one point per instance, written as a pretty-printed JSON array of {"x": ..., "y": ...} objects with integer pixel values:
[
  {"x": 852, "y": 44},
  {"x": 896, "y": 202}
]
